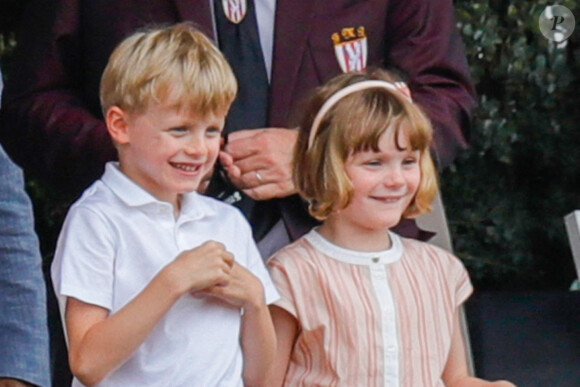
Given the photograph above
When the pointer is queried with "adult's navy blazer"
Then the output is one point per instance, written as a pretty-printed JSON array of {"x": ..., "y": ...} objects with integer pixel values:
[{"x": 52, "y": 123}]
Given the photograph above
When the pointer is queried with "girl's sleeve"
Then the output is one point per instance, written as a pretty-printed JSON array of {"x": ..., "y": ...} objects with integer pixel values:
[
  {"x": 281, "y": 269},
  {"x": 460, "y": 276}
]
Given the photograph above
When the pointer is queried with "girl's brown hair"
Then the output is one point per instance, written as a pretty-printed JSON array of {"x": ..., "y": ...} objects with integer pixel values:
[{"x": 356, "y": 123}]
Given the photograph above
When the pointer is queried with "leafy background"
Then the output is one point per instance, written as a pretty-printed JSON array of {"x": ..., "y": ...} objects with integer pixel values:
[{"x": 507, "y": 195}]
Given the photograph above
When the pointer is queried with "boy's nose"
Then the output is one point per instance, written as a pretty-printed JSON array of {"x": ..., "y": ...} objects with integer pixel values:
[{"x": 196, "y": 146}]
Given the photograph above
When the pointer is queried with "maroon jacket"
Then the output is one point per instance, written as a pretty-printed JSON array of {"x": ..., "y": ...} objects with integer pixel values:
[{"x": 51, "y": 123}]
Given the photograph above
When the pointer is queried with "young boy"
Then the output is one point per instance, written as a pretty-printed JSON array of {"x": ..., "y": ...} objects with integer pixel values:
[{"x": 157, "y": 283}]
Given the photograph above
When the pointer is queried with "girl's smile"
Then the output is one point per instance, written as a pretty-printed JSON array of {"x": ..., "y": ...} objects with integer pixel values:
[{"x": 384, "y": 184}]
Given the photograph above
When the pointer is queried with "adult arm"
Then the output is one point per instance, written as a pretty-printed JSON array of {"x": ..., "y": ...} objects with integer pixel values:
[
  {"x": 50, "y": 122},
  {"x": 423, "y": 41},
  {"x": 23, "y": 329}
]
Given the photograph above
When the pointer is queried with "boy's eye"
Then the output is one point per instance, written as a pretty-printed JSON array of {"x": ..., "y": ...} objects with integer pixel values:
[
  {"x": 178, "y": 130},
  {"x": 213, "y": 131}
]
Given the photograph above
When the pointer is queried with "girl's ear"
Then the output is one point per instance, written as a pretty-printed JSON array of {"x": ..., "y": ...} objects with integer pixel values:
[{"x": 117, "y": 125}]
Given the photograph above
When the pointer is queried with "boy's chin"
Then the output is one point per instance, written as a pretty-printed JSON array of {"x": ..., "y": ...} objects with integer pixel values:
[
  {"x": 202, "y": 186},
  {"x": 204, "y": 182}
]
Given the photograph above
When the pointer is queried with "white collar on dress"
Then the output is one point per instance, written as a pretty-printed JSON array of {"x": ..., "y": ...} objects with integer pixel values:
[{"x": 357, "y": 257}]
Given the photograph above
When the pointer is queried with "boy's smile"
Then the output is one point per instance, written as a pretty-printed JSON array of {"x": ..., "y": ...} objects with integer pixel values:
[{"x": 166, "y": 150}]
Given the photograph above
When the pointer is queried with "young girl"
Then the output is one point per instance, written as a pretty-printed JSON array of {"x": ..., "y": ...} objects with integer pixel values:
[{"x": 360, "y": 305}]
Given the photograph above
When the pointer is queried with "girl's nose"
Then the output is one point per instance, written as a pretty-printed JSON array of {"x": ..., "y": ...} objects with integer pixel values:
[{"x": 394, "y": 177}]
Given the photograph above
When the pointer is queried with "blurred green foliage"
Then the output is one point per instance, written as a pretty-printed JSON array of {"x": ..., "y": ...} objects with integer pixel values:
[{"x": 506, "y": 196}]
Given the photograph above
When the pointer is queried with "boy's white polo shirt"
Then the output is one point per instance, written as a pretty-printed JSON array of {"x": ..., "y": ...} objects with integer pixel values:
[{"x": 116, "y": 238}]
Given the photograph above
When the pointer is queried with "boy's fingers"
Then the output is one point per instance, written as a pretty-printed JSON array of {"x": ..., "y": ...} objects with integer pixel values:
[
  {"x": 213, "y": 244},
  {"x": 218, "y": 291},
  {"x": 228, "y": 258}
]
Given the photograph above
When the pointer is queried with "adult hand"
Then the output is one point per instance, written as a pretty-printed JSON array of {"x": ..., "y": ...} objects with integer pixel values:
[
  {"x": 6, "y": 382},
  {"x": 259, "y": 161}
]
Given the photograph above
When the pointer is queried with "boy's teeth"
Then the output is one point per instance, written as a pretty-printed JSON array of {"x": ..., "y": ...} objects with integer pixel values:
[{"x": 188, "y": 168}]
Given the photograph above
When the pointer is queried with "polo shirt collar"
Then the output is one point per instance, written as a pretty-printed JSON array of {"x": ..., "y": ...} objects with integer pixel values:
[
  {"x": 193, "y": 207},
  {"x": 133, "y": 195}
]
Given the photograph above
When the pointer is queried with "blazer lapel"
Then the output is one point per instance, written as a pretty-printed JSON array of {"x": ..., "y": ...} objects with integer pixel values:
[
  {"x": 292, "y": 27},
  {"x": 198, "y": 11}
]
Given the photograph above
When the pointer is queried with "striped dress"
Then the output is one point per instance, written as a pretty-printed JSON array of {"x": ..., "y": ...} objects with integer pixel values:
[{"x": 369, "y": 319}]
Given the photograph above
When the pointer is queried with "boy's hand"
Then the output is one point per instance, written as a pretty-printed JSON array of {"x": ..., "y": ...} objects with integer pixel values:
[
  {"x": 259, "y": 161},
  {"x": 204, "y": 266},
  {"x": 244, "y": 289}
]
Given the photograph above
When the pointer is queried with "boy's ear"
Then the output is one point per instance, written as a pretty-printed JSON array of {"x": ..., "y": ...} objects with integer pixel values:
[{"x": 117, "y": 125}]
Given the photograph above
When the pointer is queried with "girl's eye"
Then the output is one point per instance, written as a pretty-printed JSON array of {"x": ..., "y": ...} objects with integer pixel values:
[
  {"x": 373, "y": 163},
  {"x": 410, "y": 160}
]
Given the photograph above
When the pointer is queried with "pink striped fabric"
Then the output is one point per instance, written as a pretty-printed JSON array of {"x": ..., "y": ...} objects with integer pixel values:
[{"x": 342, "y": 335}]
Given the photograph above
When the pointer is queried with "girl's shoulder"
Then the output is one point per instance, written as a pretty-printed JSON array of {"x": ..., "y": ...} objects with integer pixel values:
[
  {"x": 428, "y": 253},
  {"x": 413, "y": 246},
  {"x": 297, "y": 251}
]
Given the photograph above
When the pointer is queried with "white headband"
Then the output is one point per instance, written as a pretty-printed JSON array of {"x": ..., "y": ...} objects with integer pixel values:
[{"x": 397, "y": 86}]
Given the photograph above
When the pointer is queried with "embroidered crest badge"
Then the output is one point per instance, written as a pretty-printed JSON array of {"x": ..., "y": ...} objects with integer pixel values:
[
  {"x": 235, "y": 10},
  {"x": 350, "y": 47}
]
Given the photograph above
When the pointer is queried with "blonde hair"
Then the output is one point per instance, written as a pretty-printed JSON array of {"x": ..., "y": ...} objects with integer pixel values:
[
  {"x": 176, "y": 65},
  {"x": 355, "y": 123}
]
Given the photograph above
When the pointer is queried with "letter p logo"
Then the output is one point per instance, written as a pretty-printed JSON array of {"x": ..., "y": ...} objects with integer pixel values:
[
  {"x": 557, "y": 20},
  {"x": 557, "y": 23}
]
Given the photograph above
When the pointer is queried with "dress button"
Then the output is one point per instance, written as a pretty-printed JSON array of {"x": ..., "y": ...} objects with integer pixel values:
[{"x": 375, "y": 259}]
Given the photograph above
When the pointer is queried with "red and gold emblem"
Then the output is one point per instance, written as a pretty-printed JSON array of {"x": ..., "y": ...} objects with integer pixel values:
[
  {"x": 350, "y": 47},
  {"x": 235, "y": 10}
]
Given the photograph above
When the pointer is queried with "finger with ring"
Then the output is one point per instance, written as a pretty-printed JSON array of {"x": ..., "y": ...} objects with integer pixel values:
[{"x": 259, "y": 177}]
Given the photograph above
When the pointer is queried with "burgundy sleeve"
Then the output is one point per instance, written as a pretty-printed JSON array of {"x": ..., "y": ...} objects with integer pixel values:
[
  {"x": 423, "y": 41},
  {"x": 48, "y": 123}
]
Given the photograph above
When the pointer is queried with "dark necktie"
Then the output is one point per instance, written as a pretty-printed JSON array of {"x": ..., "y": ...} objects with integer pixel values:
[{"x": 240, "y": 43}]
